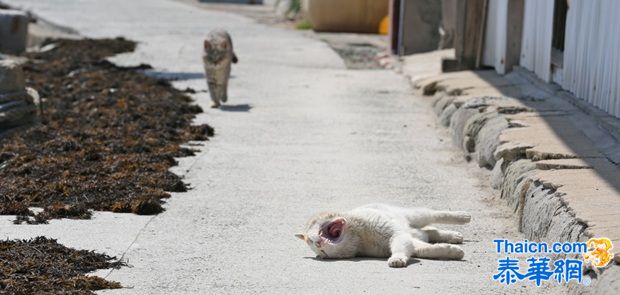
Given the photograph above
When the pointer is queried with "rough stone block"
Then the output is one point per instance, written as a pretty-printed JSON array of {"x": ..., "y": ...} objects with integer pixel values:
[
  {"x": 473, "y": 127},
  {"x": 13, "y": 31},
  {"x": 457, "y": 124},
  {"x": 487, "y": 140},
  {"x": 446, "y": 115},
  {"x": 564, "y": 164},
  {"x": 17, "y": 107},
  {"x": 550, "y": 138},
  {"x": 11, "y": 77},
  {"x": 443, "y": 102}
]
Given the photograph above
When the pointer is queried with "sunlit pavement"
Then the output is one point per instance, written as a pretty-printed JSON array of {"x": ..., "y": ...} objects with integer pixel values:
[{"x": 300, "y": 134}]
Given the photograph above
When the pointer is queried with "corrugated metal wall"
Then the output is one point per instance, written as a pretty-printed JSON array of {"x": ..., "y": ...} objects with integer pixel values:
[
  {"x": 592, "y": 53},
  {"x": 537, "y": 35},
  {"x": 591, "y": 58}
]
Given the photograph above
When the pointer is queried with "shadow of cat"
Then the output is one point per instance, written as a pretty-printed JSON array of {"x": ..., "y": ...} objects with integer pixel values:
[
  {"x": 175, "y": 76},
  {"x": 359, "y": 259},
  {"x": 236, "y": 107}
]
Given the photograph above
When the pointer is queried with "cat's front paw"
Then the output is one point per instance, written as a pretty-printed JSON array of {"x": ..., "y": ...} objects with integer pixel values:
[{"x": 398, "y": 261}]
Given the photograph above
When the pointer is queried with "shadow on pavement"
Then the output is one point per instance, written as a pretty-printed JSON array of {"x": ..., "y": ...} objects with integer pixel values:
[
  {"x": 175, "y": 76},
  {"x": 236, "y": 107},
  {"x": 358, "y": 259},
  {"x": 567, "y": 117}
]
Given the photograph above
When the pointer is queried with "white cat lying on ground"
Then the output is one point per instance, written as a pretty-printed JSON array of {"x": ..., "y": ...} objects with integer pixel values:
[{"x": 380, "y": 230}]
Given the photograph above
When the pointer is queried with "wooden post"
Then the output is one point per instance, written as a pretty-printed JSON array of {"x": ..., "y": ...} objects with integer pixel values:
[
  {"x": 481, "y": 32},
  {"x": 514, "y": 33},
  {"x": 459, "y": 32},
  {"x": 474, "y": 11},
  {"x": 394, "y": 32},
  {"x": 469, "y": 19}
]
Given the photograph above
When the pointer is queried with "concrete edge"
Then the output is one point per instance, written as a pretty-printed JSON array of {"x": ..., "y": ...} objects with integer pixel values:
[{"x": 476, "y": 124}]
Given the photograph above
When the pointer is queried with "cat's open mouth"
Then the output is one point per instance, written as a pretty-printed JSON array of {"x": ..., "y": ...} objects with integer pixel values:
[{"x": 332, "y": 231}]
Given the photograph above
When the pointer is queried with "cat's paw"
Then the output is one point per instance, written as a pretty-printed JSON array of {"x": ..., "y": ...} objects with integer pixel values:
[
  {"x": 455, "y": 238},
  {"x": 453, "y": 252},
  {"x": 462, "y": 217},
  {"x": 215, "y": 105},
  {"x": 398, "y": 261}
]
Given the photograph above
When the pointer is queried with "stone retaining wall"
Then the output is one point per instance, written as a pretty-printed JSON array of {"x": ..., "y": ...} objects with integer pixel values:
[{"x": 548, "y": 171}]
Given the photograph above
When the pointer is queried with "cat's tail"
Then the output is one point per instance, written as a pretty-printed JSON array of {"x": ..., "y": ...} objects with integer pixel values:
[{"x": 450, "y": 217}]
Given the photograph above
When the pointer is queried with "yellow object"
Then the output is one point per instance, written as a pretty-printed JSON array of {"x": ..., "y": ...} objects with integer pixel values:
[
  {"x": 355, "y": 16},
  {"x": 384, "y": 25},
  {"x": 599, "y": 254}
]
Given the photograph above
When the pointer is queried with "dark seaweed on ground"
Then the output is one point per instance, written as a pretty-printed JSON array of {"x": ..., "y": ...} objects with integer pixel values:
[
  {"x": 107, "y": 140},
  {"x": 42, "y": 266}
]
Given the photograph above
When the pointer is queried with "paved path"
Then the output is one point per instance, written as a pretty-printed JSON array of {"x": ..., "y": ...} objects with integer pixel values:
[{"x": 301, "y": 134}]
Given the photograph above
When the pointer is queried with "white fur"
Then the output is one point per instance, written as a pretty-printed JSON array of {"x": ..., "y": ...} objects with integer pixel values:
[{"x": 380, "y": 230}]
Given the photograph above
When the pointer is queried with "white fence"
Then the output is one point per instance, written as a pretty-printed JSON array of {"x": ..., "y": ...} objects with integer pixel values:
[{"x": 591, "y": 58}]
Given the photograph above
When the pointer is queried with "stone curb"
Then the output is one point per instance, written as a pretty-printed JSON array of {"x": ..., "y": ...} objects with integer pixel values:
[{"x": 534, "y": 166}]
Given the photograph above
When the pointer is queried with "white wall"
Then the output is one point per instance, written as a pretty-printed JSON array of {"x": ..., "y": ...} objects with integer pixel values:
[
  {"x": 591, "y": 67},
  {"x": 494, "y": 53},
  {"x": 536, "y": 39},
  {"x": 592, "y": 53}
]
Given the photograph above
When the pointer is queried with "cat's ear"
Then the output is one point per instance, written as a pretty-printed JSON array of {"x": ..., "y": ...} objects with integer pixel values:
[
  {"x": 207, "y": 44},
  {"x": 301, "y": 236}
]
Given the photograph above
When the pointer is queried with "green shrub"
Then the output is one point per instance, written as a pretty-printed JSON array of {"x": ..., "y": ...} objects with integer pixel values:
[{"x": 303, "y": 25}]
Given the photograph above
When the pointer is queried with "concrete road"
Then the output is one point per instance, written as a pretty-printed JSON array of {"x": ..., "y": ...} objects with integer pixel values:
[{"x": 300, "y": 134}]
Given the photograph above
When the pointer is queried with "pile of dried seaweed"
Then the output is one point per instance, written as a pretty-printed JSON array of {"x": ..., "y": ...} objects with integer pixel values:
[
  {"x": 109, "y": 136},
  {"x": 42, "y": 266}
]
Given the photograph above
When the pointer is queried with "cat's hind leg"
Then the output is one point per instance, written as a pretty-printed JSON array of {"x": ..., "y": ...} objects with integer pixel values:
[
  {"x": 225, "y": 84},
  {"x": 225, "y": 91},
  {"x": 421, "y": 217},
  {"x": 437, "y": 251},
  {"x": 225, "y": 96},
  {"x": 401, "y": 247},
  {"x": 443, "y": 236},
  {"x": 450, "y": 217}
]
